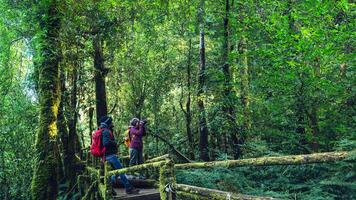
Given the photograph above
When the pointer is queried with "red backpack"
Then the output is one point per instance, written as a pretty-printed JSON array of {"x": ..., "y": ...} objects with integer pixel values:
[{"x": 96, "y": 148}]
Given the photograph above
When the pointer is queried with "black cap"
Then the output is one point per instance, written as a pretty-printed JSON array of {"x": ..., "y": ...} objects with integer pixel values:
[{"x": 106, "y": 120}]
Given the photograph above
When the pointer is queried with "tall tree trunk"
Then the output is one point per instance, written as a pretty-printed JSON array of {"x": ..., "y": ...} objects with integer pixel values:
[
  {"x": 44, "y": 183},
  {"x": 73, "y": 136},
  {"x": 91, "y": 125},
  {"x": 186, "y": 111},
  {"x": 203, "y": 129},
  {"x": 62, "y": 123},
  {"x": 228, "y": 93},
  {"x": 72, "y": 141},
  {"x": 100, "y": 73},
  {"x": 245, "y": 91}
]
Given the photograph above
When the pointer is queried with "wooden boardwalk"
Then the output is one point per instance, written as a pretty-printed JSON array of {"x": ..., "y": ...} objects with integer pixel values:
[{"x": 146, "y": 194}]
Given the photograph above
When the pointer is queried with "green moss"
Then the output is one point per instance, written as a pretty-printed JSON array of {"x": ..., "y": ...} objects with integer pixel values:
[
  {"x": 189, "y": 196},
  {"x": 44, "y": 183}
]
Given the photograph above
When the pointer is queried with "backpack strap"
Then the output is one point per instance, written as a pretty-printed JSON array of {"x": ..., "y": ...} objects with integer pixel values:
[
  {"x": 111, "y": 133},
  {"x": 130, "y": 135},
  {"x": 112, "y": 137}
]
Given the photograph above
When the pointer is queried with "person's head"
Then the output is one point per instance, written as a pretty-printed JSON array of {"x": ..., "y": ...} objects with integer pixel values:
[
  {"x": 106, "y": 121},
  {"x": 135, "y": 122}
]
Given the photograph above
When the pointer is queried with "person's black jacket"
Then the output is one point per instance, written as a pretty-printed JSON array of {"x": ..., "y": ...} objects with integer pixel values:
[{"x": 108, "y": 141}]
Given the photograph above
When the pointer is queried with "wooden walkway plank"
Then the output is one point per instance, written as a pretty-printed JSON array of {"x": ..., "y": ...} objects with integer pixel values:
[{"x": 146, "y": 194}]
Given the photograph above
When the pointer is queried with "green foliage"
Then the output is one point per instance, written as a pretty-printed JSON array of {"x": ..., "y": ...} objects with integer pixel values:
[
  {"x": 317, "y": 181},
  {"x": 301, "y": 91}
]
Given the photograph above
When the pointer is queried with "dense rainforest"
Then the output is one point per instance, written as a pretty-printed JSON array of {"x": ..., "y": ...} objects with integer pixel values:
[{"x": 215, "y": 80}]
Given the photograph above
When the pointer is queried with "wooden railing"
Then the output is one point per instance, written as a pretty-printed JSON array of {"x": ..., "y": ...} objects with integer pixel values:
[{"x": 168, "y": 187}]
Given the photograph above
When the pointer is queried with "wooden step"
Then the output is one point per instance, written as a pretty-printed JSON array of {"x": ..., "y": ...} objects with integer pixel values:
[{"x": 146, "y": 194}]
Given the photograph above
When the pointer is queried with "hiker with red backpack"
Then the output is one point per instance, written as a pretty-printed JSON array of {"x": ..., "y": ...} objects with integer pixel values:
[{"x": 104, "y": 146}]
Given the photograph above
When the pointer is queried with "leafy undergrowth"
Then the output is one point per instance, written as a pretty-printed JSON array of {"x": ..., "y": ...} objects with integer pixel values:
[{"x": 316, "y": 181}]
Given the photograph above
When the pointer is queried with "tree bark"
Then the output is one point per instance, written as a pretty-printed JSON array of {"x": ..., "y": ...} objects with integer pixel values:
[
  {"x": 100, "y": 73},
  {"x": 44, "y": 183},
  {"x": 203, "y": 129}
]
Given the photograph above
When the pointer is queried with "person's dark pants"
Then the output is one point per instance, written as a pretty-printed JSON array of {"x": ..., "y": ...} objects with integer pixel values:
[
  {"x": 115, "y": 162},
  {"x": 135, "y": 156}
]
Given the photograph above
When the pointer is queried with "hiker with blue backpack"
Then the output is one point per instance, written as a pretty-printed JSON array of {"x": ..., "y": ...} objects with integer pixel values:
[{"x": 104, "y": 146}]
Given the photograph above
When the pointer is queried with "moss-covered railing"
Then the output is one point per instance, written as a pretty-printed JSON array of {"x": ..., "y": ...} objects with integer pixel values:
[
  {"x": 268, "y": 161},
  {"x": 101, "y": 178},
  {"x": 192, "y": 192},
  {"x": 168, "y": 187}
]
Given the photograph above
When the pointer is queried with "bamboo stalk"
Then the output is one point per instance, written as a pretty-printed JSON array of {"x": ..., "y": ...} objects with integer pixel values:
[
  {"x": 136, "y": 168},
  {"x": 266, "y": 161},
  {"x": 194, "y": 192}
]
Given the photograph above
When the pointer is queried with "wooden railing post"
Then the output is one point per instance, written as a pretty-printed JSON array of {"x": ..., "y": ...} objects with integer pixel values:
[
  {"x": 107, "y": 182},
  {"x": 167, "y": 180}
]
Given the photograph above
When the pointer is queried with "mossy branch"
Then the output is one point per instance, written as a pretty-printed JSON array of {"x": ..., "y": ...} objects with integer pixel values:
[{"x": 265, "y": 161}]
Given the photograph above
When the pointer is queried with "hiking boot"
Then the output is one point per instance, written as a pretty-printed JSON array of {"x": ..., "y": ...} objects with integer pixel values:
[
  {"x": 113, "y": 192},
  {"x": 132, "y": 190}
]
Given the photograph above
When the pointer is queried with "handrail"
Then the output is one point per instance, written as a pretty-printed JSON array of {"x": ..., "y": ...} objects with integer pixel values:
[
  {"x": 159, "y": 158},
  {"x": 137, "y": 168},
  {"x": 199, "y": 193},
  {"x": 167, "y": 180},
  {"x": 166, "y": 177},
  {"x": 276, "y": 160}
]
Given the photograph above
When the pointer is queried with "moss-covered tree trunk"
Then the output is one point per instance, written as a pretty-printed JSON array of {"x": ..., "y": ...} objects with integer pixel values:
[
  {"x": 44, "y": 182},
  {"x": 245, "y": 99},
  {"x": 244, "y": 83}
]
